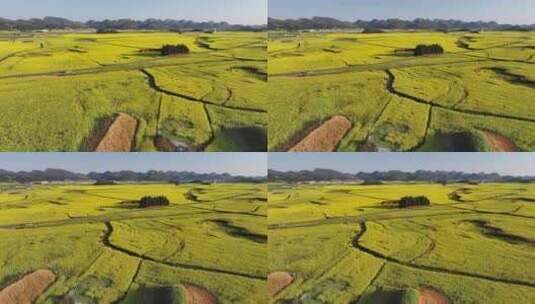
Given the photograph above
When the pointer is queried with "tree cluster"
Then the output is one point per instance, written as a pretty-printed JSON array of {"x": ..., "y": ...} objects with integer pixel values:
[
  {"x": 153, "y": 201},
  {"x": 414, "y": 201},
  {"x": 169, "y": 49},
  {"x": 433, "y": 49}
]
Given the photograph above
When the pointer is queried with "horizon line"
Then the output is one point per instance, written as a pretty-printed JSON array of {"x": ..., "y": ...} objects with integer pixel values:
[
  {"x": 403, "y": 171},
  {"x": 133, "y": 19},
  {"x": 399, "y": 18}
]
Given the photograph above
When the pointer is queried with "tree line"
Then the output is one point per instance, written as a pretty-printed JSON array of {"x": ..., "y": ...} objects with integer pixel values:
[
  {"x": 55, "y": 23},
  {"x": 59, "y": 175},
  {"x": 390, "y": 24},
  {"x": 393, "y": 175}
]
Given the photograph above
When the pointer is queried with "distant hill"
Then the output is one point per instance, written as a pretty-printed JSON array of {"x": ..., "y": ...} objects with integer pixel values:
[
  {"x": 55, "y": 23},
  {"x": 58, "y": 175},
  {"x": 319, "y": 23},
  {"x": 421, "y": 175}
]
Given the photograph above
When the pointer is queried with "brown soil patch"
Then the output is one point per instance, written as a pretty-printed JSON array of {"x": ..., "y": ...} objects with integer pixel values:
[
  {"x": 277, "y": 281},
  {"x": 120, "y": 135},
  {"x": 499, "y": 143},
  {"x": 326, "y": 137},
  {"x": 99, "y": 131},
  {"x": 431, "y": 296},
  {"x": 27, "y": 289},
  {"x": 197, "y": 295}
]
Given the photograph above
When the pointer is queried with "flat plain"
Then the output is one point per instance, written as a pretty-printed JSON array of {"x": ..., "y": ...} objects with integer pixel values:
[
  {"x": 62, "y": 91},
  {"x": 96, "y": 246},
  {"x": 346, "y": 243},
  {"x": 476, "y": 96}
]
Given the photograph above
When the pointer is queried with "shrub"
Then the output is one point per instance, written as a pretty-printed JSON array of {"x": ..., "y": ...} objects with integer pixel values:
[
  {"x": 433, "y": 49},
  {"x": 454, "y": 196},
  {"x": 174, "y": 49},
  {"x": 151, "y": 201}
]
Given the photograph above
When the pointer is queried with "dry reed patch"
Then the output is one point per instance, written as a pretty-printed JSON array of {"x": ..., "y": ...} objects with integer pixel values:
[
  {"x": 326, "y": 137},
  {"x": 120, "y": 135},
  {"x": 198, "y": 295},
  {"x": 28, "y": 288},
  {"x": 277, "y": 281}
]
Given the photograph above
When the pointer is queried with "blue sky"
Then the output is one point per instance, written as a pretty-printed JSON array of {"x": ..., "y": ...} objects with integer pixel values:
[
  {"x": 503, "y": 11},
  {"x": 248, "y": 164},
  {"x": 503, "y": 163},
  {"x": 233, "y": 11}
]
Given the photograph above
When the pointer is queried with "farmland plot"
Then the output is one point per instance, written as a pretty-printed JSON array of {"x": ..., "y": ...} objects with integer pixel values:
[
  {"x": 473, "y": 247},
  {"x": 210, "y": 244},
  {"x": 58, "y": 91},
  {"x": 396, "y": 100}
]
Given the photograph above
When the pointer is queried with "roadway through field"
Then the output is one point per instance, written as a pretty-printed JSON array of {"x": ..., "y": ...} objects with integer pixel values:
[{"x": 395, "y": 215}]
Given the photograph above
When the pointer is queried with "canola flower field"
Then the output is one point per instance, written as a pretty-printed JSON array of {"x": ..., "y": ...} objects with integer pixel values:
[
  {"x": 347, "y": 243},
  {"x": 477, "y": 96},
  {"x": 59, "y": 90},
  {"x": 208, "y": 245}
]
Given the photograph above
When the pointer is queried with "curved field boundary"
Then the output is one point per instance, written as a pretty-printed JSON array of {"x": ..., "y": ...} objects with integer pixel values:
[
  {"x": 395, "y": 91},
  {"x": 426, "y": 132},
  {"x": 154, "y": 85},
  {"x": 326, "y": 137},
  {"x": 107, "y": 243},
  {"x": 16, "y": 53},
  {"x": 356, "y": 244}
]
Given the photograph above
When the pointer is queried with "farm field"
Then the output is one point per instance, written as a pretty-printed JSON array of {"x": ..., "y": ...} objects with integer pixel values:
[
  {"x": 477, "y": 96},
  {"x": 346, "y": 243},
  {"x": 63, "y": 91},
  {"x": 93, "y": 244}
]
